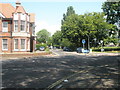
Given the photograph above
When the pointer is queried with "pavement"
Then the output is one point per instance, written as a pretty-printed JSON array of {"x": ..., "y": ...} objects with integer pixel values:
[
  {"x": 59, "y": 52},
  {"x": 11, "y": 56},
  {"x": 62, "y": 70}
]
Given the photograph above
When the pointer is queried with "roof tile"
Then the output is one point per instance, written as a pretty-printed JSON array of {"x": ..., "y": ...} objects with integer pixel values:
[{"x": 6, "y": 9}]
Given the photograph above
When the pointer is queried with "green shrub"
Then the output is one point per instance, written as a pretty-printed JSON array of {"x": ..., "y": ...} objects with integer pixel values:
[
  {"x": 40, "y": 45},
  {"x": 107, "y": 49},
  {"x": 57, "y": 46},
  {"x": 47, "y": 49}
]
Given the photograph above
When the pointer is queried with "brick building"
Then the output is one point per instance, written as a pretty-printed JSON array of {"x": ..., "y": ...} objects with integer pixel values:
[{"x": 17, "y": 29}]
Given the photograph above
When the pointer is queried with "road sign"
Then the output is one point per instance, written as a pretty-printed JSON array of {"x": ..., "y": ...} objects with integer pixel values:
[{"x": 83, "y": 41}]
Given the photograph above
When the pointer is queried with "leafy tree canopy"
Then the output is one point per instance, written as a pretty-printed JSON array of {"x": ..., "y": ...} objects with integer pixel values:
[
  {"x": 43, "y": 36},
  {"x": 56, "y": 38},
  {"x": 76, "y": 27},
  {"x": 111, "y": 8},
  {"x": 69, "y": 12}
]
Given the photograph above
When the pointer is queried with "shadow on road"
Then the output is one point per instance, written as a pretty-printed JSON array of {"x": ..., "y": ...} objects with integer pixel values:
[{"x": 43, "y": 72}]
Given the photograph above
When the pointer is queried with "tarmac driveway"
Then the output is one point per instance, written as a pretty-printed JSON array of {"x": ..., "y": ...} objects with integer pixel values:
[{"x": 64, "y": 71}]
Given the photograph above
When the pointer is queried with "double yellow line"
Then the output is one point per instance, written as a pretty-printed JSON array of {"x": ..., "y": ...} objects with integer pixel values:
[{"x": 65, "y": 78}]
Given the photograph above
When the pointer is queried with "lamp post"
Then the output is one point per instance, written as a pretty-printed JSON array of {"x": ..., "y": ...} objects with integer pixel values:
[
  {"x": 118, "y": 26},
  {"x": 88, "y": 42},
  {"x": 95, "y": 41},
  {"x": 89, "y": 38},
  {"x": 101, "y": 41}
]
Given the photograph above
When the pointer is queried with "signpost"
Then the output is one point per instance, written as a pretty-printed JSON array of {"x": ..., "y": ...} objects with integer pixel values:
[{"x": 83, "y": 42}]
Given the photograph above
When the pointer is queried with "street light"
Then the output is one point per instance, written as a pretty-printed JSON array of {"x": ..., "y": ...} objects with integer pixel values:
[
  {"x": 89, "y": 38},
  {"x": 95, "y": 41},
  {"x": 101, "y": 41},
  {"x": 118, "y": 26}
]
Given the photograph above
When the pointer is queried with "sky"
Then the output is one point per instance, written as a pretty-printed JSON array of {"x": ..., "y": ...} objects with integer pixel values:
[{"x": 49, "y": 13}]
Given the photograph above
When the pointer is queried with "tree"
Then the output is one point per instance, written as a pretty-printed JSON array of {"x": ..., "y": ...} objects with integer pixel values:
[
  {"x": 56, "y": 38},
  {"x": 43, "y": 36},
  {"x": 69, "y": 12},
  {"x": 112, "y": 10},
  {"x": 59, "y": 41},
  {"x": 71, "y": 29},
  {"x": 87, "y": 26},
  {"x": 66, "y": 43}
]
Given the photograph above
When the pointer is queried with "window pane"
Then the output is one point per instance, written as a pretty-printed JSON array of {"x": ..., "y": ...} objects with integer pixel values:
[
  {"x": 16, "y": 25},
  {"x": 22, "y": 25},
  {"x": 16, "y": 43},
  {"x": 22, "y": 43},
  {"x": 4, "y": 41},
  {"x": 5, "y": 24},
  {"x": 5, "y": 27},
  {"x": 5, "y": 44}
]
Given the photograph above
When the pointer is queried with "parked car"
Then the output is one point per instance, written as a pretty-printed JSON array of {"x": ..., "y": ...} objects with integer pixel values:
[
  {"x": 79, "y": 50},
  {"x": 86, "y": 51},
  {"x": 42, "y": 48},
  {"x": 66, "y": 49}
]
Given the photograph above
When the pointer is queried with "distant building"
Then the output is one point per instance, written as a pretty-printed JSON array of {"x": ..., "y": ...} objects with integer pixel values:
[{"x": 17, "y": 29}]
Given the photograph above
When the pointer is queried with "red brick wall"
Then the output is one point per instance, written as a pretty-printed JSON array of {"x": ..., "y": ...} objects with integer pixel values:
[
  {"x": 0, "y": 35},
  {"x": 0, "y": 45},
  {"x": 0, "y": 25},
  {"x": 5, "y": 35}
]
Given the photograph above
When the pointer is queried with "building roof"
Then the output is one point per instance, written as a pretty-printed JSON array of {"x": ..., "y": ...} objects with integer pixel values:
[
  {"x": 20, "y": 9},
  {"x": 6, "y": 9},
  {"x": 32, "y": 17}
]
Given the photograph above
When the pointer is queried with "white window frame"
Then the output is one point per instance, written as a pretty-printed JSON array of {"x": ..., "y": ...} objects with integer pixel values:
[
  {"x": 14, "y": 45},
  {"x": 16, "y": 15},
  {"x": 25, "y": 45},
  {"x": 28, "y": 27},
  {"x": 3, "y": 46},
  {"x": 15, "y": 27},
  {"x": 4, "y": 29}
]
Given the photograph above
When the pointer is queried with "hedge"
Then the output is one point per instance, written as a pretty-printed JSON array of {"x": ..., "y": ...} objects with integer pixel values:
[{"x": 107, "y": 49}]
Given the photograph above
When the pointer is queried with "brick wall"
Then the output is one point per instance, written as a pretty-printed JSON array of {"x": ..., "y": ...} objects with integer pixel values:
[
  {"x": 0, "y": 35},
  {"x": 5, "y": 35}
]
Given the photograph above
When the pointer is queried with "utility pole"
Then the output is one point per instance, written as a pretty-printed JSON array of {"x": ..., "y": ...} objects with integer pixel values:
[
  {"x": 89, "y": 38},
  {"x": 88, "y": 42}
]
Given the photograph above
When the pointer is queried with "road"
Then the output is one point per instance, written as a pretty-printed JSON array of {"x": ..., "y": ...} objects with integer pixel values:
[{"x": 61, "y": 70}]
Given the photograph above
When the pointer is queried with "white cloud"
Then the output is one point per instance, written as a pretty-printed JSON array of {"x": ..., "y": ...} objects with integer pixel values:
[{"x": 45, "y": 25}]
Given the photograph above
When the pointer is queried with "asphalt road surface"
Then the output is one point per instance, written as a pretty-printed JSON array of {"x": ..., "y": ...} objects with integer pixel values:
[{"x": 62, "y": 70}]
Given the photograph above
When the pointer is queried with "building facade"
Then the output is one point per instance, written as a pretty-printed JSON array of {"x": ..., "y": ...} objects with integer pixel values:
[{"x": 17, "y": 29}]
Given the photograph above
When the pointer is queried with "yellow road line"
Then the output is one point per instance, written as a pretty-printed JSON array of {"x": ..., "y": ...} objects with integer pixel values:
[{"x": 61, "y": 80}]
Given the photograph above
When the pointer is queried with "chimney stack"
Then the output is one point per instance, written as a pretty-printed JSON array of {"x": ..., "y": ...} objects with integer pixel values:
[{"x": 18, "y": 3}]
